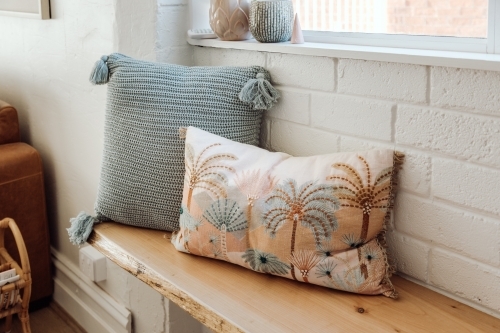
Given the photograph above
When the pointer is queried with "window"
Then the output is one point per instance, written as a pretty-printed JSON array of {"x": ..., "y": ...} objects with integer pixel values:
[{"x": 454, "y": 25}]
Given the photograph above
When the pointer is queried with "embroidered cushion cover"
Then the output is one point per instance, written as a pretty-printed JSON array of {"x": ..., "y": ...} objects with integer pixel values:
[
  {"x": 318, "y": 219},
  {"x": 143, "y": 159}
]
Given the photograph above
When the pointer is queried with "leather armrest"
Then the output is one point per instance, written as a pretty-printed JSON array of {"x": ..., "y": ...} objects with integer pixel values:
[{"x": 9, "y": 124}]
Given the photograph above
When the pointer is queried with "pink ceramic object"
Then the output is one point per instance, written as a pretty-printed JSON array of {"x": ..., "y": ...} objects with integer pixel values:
[
  {"x": 229, "y": 19},
  {"x": 297, "y": 36}
]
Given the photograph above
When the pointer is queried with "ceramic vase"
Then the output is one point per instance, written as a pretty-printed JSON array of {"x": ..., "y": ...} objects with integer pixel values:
[
  {"x": 297, "y": 35},
  {"x": 271, "y": 21},
  {"x": 229, "y": 19}
]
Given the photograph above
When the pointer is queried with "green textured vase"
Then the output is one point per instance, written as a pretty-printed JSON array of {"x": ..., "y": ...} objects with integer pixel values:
[{"x": 271, "y": 21}]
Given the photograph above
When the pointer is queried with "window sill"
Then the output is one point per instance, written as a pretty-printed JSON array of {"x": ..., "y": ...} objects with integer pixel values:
[{"x": 408, "y": 56}]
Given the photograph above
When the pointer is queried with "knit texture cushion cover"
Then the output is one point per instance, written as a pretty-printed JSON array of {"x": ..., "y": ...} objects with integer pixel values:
[
  {"x": 317, "y": 219},
  {"x": 143, "y": 160}
]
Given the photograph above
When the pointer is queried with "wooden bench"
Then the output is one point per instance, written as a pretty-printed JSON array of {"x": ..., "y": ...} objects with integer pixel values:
[{"x": 229, "y": 298}]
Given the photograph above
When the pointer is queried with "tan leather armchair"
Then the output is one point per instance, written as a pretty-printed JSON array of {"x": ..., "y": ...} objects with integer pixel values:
[{"x": 22, "y": 197}]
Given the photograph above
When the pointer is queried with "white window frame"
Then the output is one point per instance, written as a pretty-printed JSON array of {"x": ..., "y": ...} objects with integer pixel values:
[
  {"x": 491, "y": 44},
  {"x": 459, "y": 52}
]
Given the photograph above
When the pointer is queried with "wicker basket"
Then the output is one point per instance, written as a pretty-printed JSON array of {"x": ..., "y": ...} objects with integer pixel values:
[{"x": 15, "y": 296}]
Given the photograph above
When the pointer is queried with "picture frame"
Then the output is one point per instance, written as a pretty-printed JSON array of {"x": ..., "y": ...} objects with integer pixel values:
[{"x": 34, "y": 9}]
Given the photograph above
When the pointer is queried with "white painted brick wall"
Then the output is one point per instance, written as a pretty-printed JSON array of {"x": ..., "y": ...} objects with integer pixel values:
[{"x": 446, "y": 228}]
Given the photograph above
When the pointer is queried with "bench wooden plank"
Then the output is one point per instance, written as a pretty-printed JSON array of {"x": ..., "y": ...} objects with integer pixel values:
[{"x": 229, "y": 298}]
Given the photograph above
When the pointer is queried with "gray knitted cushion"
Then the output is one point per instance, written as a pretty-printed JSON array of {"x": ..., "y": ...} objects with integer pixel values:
[{"x": 143, "y": 163}]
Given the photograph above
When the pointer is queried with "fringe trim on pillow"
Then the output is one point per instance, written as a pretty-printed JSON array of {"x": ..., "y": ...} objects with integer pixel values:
[
  {"x": 381, "y": 239},
  {"x": 259, "y": 92},
  {"x": 103, "y": 68},
  {"x": 100, "y": 72},
  {"x": 81, "y": 227},
  {"x": 182, "y": 132}
]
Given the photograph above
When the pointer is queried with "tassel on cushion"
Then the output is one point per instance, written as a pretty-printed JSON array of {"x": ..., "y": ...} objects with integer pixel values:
[
  {"x": 259, "y": 93},
  {"x": 81, "y": 227},
  {"x": 100, "y": 73}
]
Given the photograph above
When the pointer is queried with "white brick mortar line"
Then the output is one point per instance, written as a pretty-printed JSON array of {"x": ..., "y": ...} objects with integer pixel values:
[
  {"x": 434, "y": 154},
  {"x": 336, "y": 75},
  {"x": 452, "y": 111},
  {"x": 472, "y": 210},
  {"x": 428, "y": 85},
  {"x": 433, "y": 245}
]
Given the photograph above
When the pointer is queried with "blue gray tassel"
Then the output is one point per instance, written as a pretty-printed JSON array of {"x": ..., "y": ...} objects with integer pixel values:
[
  {"x": 81, "y": 227},
  {"x": 100, "y": 73},
  {"x": 259, "y": 93}
]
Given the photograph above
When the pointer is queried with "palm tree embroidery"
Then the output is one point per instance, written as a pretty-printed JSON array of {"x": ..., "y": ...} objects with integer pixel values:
[
  {"x": 305, "y": 260},
  {"x": 226, "y": 216},
  {"x": 354, "y": 193},
  {"x": 351, "y": 279},
  {"x": 254, "y": 186},
  {"x": 310, "y": 204},
  {"x": 204, "y": 172},
  {"x": 352, "y": 240},
  {"x": 325, "y": 252},
  {"x": 210, "y": 247},
  {"x": 325, "y": 269},
  {"x": 187, "y": 223},
  {"x": 265, "y": 262}
]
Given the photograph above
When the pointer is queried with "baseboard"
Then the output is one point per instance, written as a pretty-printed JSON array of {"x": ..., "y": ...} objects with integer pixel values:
[{"x": 90, "y": 306}]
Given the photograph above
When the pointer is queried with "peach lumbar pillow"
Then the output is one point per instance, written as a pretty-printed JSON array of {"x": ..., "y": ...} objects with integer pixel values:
[{"x": 317, "y": 219}]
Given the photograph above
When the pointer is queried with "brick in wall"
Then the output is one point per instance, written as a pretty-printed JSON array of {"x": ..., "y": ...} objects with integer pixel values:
[
  {"x": 468, "y": 185},
  {"x": 302, "y": 71},
  {"x": 209, "y": 56},
  {"x": 402, "y": 82},
  {"x": 470, "y": 235},
  {"x": 352, "y": 115},
  {"x": 292, "y": 106},
  {"x": 299, "y": 140},
  {"x": 457, "y": 134},
  {"x": 469, "y": 89}
]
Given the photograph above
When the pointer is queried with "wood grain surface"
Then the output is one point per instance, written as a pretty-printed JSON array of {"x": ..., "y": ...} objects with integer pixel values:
[{"x": 230, "y": 298}]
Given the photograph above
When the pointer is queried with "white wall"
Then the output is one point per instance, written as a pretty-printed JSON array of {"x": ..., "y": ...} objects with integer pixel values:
[
  {"x": 446, "y": 230},
  {"x": 44, "y": 70}
]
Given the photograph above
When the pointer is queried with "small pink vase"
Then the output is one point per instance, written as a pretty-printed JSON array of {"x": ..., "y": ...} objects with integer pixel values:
[{"x": 297, "y": 35}]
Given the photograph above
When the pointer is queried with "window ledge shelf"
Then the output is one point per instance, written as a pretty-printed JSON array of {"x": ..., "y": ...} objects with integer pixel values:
[{"x": 468, "y": 60}]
